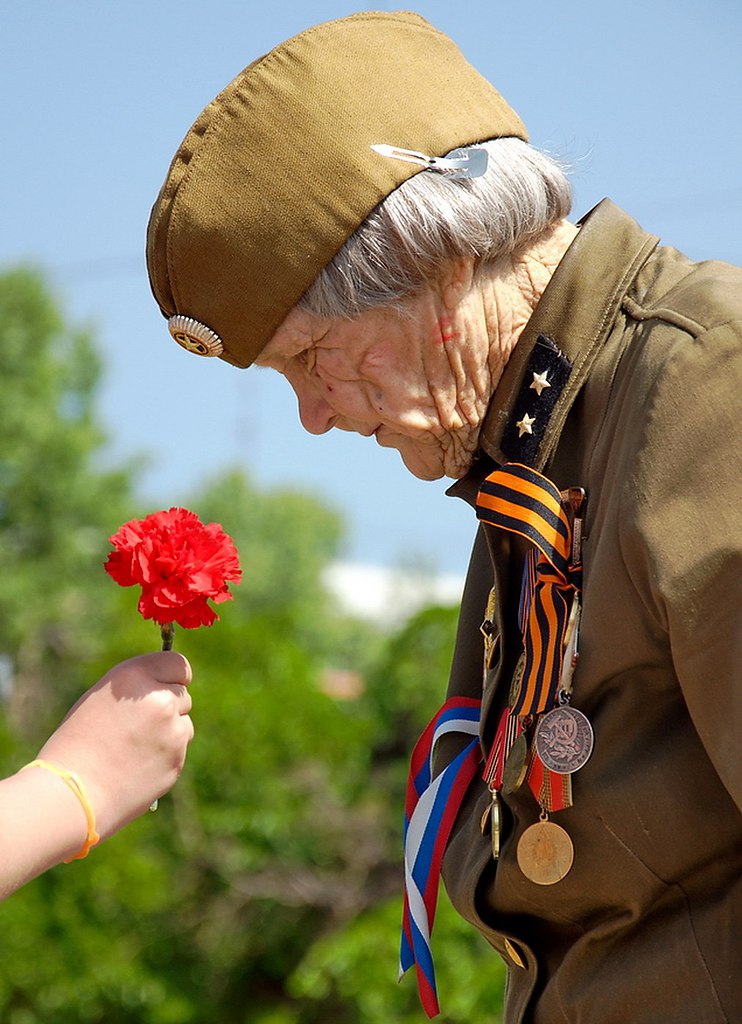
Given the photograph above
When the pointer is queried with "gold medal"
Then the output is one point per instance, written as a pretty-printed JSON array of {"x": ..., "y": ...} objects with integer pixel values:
[
  {"x": 545, "y": 853},
  {"x": 496, "y": 824},
  {"x": 516, "y": 766},
  {"x": 492, "y": 820}
]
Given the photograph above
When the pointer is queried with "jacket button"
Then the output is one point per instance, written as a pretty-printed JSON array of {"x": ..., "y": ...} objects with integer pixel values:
[{"x": 514, "y": 955}]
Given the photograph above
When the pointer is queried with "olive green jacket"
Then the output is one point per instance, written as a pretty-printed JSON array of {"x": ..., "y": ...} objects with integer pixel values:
[{"x": 646, "y": 356}]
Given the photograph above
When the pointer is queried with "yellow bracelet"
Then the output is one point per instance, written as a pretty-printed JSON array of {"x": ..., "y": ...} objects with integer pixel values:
[{"x": 73, "y": 780}]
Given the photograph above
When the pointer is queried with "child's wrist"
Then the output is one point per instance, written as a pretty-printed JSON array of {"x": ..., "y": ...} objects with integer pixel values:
[{"x": 76, "y": 785}]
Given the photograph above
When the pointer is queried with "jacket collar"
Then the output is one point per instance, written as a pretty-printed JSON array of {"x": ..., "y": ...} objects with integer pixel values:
[{"x": 561, "y": 340}]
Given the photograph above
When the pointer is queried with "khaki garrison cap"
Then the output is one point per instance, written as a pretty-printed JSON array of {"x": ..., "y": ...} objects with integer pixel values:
[{"x": 278, "y": 171}]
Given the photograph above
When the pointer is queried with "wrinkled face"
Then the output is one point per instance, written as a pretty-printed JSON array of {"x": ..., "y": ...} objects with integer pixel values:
[{"x": 397, "y": 377}]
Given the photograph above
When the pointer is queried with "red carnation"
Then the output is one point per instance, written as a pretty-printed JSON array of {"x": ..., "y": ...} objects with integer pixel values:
[{"x": 180, "y": 564}]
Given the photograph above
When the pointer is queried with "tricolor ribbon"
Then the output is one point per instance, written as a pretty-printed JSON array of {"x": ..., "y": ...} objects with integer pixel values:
[
  {"x": 431, "y": 807},
  {"x": 519, "y": 500}
]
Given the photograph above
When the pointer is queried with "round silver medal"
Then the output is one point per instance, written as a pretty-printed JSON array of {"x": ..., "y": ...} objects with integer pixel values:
[{"x": 564, "y": 740}]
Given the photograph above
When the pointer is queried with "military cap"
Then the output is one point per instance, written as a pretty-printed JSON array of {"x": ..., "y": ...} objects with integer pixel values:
[{"x": 279, "y": 170}]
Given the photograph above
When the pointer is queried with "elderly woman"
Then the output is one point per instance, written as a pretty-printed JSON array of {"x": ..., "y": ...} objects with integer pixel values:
[{"x": 360, "y": 211}]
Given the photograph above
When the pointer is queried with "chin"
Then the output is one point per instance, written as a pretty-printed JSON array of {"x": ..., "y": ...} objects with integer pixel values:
[{"x": 423, "y": 472}]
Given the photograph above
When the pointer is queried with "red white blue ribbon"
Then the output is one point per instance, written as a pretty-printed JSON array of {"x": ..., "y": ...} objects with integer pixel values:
[{"x": 431, "y": 807}]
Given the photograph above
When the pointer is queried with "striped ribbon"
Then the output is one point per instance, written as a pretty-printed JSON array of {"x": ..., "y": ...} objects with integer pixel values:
[
  {"x": 508, "y": 730},
  {"x": 552, "y": 790},
  {"x": 431, "y": 807},
  {"x": 518, "y": 499}
]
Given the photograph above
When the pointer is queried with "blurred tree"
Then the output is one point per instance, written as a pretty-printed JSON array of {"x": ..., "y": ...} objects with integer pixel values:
[
  {"x": 267, "y": 888},
  {"x": 54, "y": 500}
]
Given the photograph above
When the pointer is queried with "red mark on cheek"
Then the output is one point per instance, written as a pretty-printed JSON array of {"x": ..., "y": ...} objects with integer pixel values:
[{"x": 445, "y": 331}]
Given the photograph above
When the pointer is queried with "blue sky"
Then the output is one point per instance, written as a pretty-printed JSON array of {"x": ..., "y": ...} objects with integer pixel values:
[{"x": 644, "y": 100}]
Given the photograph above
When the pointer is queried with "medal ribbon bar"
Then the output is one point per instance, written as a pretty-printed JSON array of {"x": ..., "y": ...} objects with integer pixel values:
[
  {"x": 509, "y": 729},
  {"x": 552, "y": 791}
]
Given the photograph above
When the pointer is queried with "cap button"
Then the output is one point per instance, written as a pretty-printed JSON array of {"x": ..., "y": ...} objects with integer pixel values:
[{"x": 194, "y": 336}]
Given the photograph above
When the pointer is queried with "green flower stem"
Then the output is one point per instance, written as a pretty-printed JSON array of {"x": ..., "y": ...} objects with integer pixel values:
[{"x": 167, "y": 632}]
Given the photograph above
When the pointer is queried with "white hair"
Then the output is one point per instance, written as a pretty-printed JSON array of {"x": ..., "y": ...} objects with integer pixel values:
[{"x": 431, "y": 219}]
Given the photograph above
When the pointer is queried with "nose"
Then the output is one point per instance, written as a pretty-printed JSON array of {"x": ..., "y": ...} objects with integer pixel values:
[{"x": 316, "y": 415}]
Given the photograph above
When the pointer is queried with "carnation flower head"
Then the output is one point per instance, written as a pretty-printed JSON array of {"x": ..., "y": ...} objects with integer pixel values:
[{"x": 180, "y": 564}]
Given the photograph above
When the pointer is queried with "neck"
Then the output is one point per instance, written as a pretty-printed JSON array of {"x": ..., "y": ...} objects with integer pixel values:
[
  {"x": 478, "y": 319},
  {"x": 513, "y": 287}
]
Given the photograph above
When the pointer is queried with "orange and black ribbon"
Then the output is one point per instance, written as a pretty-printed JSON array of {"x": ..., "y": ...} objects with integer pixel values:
[{"x": 518, "y": 499}]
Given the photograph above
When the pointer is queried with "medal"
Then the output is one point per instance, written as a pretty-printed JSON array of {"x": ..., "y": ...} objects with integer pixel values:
[
  {"x": 496, "y": 824},
  {"x": 571, "y": 653},
  {"x": 516, "y": 766},
  {"x": 564, "y": 740},
  {"x": 492, "y": 820},
  {"x": 489, "y": 631},
  {"x": 545, "y": 852}
]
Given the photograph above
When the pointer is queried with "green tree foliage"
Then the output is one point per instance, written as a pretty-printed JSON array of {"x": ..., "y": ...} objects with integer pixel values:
[
  {"x": 54, "y": 500},
  {"x": 267, "y": 887}
]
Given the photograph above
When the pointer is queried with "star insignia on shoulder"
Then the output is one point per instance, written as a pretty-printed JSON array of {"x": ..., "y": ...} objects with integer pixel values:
[
  {"x": 540, "y": 381},
  {"x": 525, "y": 426}
]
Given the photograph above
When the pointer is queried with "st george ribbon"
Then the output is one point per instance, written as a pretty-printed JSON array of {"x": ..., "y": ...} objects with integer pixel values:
[{"x": 519, "y": 500}]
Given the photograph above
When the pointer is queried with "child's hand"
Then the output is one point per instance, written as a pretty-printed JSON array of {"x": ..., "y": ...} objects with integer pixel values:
[{"x": 127, "y": 736}]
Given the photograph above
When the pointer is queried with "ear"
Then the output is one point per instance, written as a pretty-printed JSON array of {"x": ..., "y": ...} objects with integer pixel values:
[{"x": 455, "y": 281}]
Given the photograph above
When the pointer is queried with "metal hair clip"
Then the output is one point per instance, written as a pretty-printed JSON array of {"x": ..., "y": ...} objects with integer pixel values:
[{"x": 468, "y": 162}]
